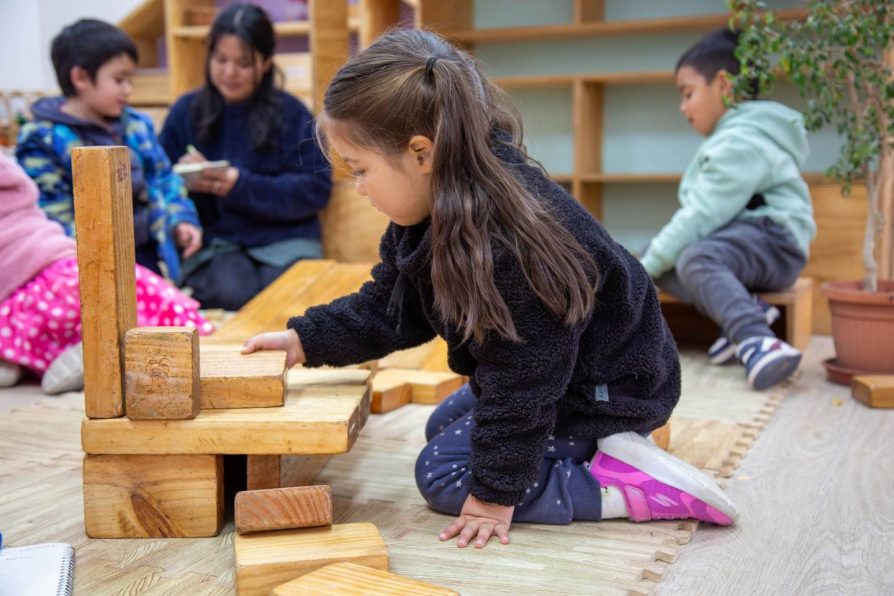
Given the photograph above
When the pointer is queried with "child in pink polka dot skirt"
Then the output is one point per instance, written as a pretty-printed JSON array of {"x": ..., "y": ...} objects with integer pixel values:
[{"x": 40, "y": 318}]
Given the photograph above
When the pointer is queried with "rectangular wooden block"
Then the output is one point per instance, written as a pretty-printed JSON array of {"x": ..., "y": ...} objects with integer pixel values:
[
  {"x": 161, "y": 373},
  {"x": 268, "y": 559},
  {"x": 230, "y": 379},
  {"x": 662, "y": 436},
  {"x": 104, "y": 221},
  {"x": 149, "y": 496},
  {"x": 350, "y": 579},
  {"x": 389, "y": 393},
  {"x": 876, "y": 391},
  {"x": 317, "y": 419},
  {"x": 281, "y": 471},
  {"x": 283, "y": 508},
  {"x": 428, "y": 387}
]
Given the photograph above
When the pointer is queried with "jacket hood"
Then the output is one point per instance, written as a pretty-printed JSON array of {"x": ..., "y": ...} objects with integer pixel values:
[
  {"x": 17, "y": 190},
  {"x": 776, "y": 122}
]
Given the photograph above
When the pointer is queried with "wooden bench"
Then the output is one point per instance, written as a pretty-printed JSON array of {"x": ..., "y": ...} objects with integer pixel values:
[{"x": 794, "y": 326}]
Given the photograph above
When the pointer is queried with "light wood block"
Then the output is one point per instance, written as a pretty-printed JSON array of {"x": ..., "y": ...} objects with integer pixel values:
[
  {"x": 161, "y": 378},
  {"x": 876, "y": 391},
  {"x": 147, "y": 496},
  {"x": 283, "y": 508},
  {"x": 795, "y": 303},
  {"x": 281, "y": 471},
  {"x": 389, "y": 393},
  {"x": 662, "y": 436},
  {"x": 428, "y": 387},
  {"x": 231, "y": 379},
  {"x": 350, "y": 579},
  {"x": 268, "y": 559},
  {"x": 314, "y": 420},
  {"x": 106, "y": 265}
]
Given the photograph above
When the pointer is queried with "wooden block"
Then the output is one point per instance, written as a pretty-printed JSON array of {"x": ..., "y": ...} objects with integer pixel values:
[
  {"x": 876, "y": 391},
  {"x": 161, "y": 373},
  {"x": 106, "y": 264},
  {"x": 324, "y": 419},
  {"x": 662, "y": 436},
  {"x": 281, "y": 471},
  {"x": 149, "y": 496},
  {"x": 262, "y": 471},
  {"x": 389, "y": 393},
  {"x": 428, "y": 387},
  {"x": 230, "y": 379},
  {"x": 283, "y": 508},
  {"x": 350, "y": 579},
  {"x": 268, "y": 559}
]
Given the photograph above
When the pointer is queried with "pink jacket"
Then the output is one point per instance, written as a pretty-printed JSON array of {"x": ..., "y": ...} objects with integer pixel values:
[{"x": 29, "y": 241}]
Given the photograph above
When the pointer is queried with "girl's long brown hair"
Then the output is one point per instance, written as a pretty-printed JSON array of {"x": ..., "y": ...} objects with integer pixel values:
[{"x": 391, "y": 91}]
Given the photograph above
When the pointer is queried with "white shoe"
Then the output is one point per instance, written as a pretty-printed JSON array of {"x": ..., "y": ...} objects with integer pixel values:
[
  {"x": 66, "y": 372},
  {"x": 10, "y": 373}
]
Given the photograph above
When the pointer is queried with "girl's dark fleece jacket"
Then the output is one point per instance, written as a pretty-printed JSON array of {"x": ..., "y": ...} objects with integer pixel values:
[{"x": 617, "y": 372}]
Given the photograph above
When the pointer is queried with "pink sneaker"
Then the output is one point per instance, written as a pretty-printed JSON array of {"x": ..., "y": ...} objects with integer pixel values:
[{"x": 657, "y": 485}]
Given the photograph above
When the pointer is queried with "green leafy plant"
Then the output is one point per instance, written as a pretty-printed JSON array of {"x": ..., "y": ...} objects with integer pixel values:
[{"x": 839, "y": 58}]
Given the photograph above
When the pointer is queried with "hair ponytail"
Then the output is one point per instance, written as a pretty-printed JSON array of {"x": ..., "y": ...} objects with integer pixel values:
[{"x": 413, "y": 82}]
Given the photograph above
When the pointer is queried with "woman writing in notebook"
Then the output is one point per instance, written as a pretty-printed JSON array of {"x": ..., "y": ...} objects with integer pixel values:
[{"x": 260, "y": 213}]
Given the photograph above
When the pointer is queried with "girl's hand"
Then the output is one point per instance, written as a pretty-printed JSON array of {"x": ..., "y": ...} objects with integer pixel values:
[
  {"x": 216, "y": 182},
  {"x": 278, "y": 340},
  {"x": 482, "y": 520},
  {"x": 189, "y": 238}
]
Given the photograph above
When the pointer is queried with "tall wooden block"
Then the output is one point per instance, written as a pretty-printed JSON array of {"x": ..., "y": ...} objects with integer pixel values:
[
  {"x": 876, "y": 391},
  {"x": 349, "y": 579},
  {"x": 106, "y": 263},
  {"x": 268, "y": 559},
  {"x": 389, "y": 393},
  {"x": 281, "y": 471},
  {"x": 150, "y": 496},
  {"x": 233, "y": 380},
  {"x": 428, "y": 387},
  {"x": 161, "y": 373},
  {"x": 283, "y": 508}
]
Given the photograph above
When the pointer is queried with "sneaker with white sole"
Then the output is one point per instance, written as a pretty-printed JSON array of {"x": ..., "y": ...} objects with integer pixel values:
[
  {"x": 10, "y": 373},
  {"x": 723, "y": 351},
  {"x": 657, "y": 485},
  {"x": 767, "y": 360},
  {"x": 66, "y": 372}
]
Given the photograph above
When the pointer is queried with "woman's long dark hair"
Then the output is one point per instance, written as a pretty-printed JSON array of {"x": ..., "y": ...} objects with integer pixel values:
[
  {"x": 411, "y": 82},
  {"x": 251, "y": 25}
]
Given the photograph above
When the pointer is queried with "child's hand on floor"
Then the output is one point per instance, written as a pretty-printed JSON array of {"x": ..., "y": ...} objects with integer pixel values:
[
  {"x": 482, "y": 520},
  {"x": 278, "y": 340}
]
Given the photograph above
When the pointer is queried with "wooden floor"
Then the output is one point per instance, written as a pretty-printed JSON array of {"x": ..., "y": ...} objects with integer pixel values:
[{"x": 816, "y": 492}]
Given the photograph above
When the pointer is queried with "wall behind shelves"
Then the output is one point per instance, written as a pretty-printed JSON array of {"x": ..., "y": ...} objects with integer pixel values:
[{"x": 643, "y": 129}]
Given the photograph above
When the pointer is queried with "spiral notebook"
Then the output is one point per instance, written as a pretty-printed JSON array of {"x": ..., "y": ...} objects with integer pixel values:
[{"x": 37, "y": 570}]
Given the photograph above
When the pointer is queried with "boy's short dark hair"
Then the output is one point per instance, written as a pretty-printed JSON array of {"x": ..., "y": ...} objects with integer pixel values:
[
  {"x": 714, "y": 52},
  {"x": 88, "y": 43}
]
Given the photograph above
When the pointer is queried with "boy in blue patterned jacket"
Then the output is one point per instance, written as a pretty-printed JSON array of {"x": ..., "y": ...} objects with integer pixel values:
[{"x": 94, "y": 63}]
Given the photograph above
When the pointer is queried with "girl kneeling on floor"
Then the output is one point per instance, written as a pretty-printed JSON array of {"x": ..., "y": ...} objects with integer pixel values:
[{"x": 559, "y": 328}]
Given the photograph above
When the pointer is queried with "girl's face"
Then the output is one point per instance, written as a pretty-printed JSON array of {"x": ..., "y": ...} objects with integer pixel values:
[
  {"x": 235, "y": 69},
  {"x": 702, "y": 102},
  {"x": 400, "y": 189}
]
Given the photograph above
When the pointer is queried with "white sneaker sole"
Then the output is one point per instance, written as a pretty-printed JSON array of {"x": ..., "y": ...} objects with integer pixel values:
[
  {"x": 638, "y": 451},
  {"x": 774, "y": 368}
]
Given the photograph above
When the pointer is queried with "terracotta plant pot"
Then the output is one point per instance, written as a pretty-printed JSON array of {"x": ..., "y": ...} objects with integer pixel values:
[{"x": 862, "y": 325}]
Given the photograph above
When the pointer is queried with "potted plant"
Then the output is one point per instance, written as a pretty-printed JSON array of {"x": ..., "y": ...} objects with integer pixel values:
[{"x": 839, "y": 57}]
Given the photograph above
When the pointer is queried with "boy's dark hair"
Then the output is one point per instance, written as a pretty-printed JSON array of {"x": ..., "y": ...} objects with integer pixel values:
[
  {"x": 88, "y": 43},
  {"x": 714, "y": 52}
]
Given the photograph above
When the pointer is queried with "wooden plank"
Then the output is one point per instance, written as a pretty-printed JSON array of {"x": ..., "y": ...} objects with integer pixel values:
[
  {"x": 329, "y": 41},
  {"x": 588, "y": 140},
  {"x": 428, "y": 387},
  {"x": 106, "y": 265},
  {"x": 352, "y": 227},
  {"x": 586, "y": 11},
  {"x": 283, "y": 508},
  {"x": 389, "y": 393},
  {"x": 230, "y": 379},
  {"x": 350, "y": 579},
  {"x": 445, "y": 17},
  {"x": 876, "y": 391},
  {"x": 146, "y": 496},
  {"x": 262, "y": 471},
  {"x": 313, "y": 420},
  {"x": 376, "y": 17},
  {"x": 296, "y": 68},
  {"x": 430, "y": 356},
  {"x": 186, "y": 55},
  {"x": 145, "y": 20},
  {"x": 662, "y": 436},
  {"x": 268, "y": 559},
  {"x": 151, "y": 87},
  {"x": 568, "y": 80},
  {"x": 161, "y": 373}
]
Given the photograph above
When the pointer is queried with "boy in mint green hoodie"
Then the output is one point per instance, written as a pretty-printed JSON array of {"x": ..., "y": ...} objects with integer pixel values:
[{"x": 745, "y": 219}]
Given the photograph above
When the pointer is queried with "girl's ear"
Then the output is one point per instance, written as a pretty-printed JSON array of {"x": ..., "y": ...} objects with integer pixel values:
[
  {"x": 267, "y": 65},
  {"x": 421, "y": 149},
  {"x": 79, "y": 77}
]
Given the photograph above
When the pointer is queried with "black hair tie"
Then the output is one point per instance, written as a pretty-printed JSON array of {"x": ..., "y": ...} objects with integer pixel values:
[{"x": 430, "y": 63}]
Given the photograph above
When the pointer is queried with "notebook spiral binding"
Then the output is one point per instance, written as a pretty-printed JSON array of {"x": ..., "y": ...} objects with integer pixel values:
[{"x": 66, "y": 579}]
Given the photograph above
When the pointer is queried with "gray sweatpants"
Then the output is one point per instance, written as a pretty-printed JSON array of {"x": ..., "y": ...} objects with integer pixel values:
[
  {"x": 718, "y": 274},
  {"x": 563, "y": 490}
]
